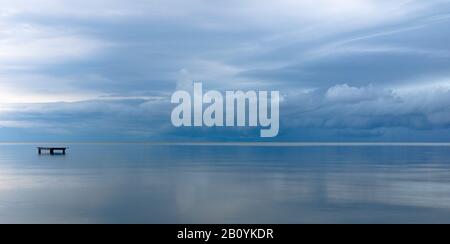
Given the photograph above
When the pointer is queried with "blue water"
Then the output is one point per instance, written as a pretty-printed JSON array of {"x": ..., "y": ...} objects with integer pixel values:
[{"x": 145, "y": 183}]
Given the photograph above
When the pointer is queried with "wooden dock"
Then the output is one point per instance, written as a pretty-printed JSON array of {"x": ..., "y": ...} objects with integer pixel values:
[{"x": 52, "y": 150}]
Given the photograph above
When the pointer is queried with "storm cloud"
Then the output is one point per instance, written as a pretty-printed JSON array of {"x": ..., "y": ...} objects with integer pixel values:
[{"x": 348, "y": 70}]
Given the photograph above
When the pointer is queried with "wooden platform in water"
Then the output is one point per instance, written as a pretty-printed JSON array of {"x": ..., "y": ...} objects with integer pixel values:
[{"x": 52, "y": 150}]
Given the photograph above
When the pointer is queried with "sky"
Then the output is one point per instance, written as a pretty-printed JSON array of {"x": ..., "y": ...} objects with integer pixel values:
[{"x": 104, "y": 70}]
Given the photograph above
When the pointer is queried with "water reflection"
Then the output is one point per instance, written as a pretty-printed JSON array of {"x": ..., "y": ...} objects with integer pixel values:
[{"x": 200, "y": 184}]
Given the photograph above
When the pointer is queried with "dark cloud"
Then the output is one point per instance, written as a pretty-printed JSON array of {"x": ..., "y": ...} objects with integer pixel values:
[{"x": 105, "y": 70}]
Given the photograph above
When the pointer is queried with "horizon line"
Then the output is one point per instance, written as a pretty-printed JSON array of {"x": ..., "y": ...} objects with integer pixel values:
[{"x": 268, "y": 144}]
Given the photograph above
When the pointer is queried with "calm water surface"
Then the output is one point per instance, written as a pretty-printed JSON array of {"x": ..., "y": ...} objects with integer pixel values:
[{"x": 138, "y": 183}]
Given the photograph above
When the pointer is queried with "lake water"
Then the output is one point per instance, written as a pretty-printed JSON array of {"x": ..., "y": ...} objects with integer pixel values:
[{"x": 149, "y": 183}]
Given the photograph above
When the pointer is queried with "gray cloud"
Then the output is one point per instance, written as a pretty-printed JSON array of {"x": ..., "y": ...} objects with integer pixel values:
[{"x": 372, "y": 70}]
